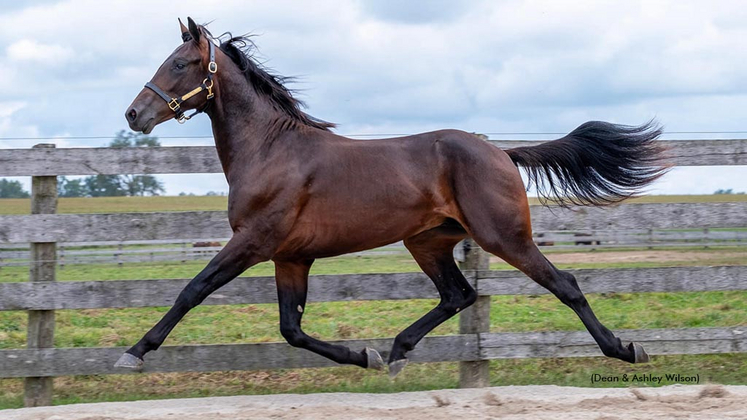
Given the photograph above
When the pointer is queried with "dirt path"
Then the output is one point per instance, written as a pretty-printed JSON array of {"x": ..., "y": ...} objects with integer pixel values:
[
  {"x": 636, "y": 256},
  {"x": 519, "y": 403}
]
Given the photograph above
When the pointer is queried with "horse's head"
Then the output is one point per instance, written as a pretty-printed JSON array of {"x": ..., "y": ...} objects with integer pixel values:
[{"x": 183, "y": 82}]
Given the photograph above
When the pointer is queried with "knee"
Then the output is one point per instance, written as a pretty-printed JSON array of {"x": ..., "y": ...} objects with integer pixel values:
[
  {"x": 458, "y": 302},
  {"x": 465, "y": 300},
  {"x": 293, "y": 335},
  {"x": 470, "y": 297}
]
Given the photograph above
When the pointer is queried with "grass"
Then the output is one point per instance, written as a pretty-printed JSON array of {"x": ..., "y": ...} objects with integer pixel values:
[
  {"x": 399, "y": 263},
  {"x": 206, "y": 203},
  {"x": 347, "y": 320},
  {"x": 350, "y": 320},
  {"x": 121, "y": 204}
]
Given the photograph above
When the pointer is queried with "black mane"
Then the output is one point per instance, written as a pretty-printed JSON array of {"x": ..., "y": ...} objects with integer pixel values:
[{"x": 240, "y": 49}]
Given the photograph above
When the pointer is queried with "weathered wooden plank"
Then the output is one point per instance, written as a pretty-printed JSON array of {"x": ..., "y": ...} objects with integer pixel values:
[
  {"x": 206, "y": 358},
  {"x": 91, "y": 361},
  {"x": 253, "y": 290},
  {"x": 243, "y": 290},
  {"x": 187, "y": 225},
  {"x": 642, "y": 215},
  {"x": 108, "y": 161},
  {"x": 113, "y": 227},
  {"x": 581, "y": 344},
  {"x": 681, "y": 152},
  {"x": 204, "y": 159},
  {"x": 659, "y": 238},
  {"x": 624, "y": 280},
  {"x": 624, "y": 236},
  {"x": 140, "y": 242}
]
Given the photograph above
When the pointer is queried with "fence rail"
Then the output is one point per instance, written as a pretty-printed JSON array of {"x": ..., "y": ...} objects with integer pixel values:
[
  {"x": 113, "y": 252},
  {"x": 204, "y": 224},
  {"x": 473, "y": 347},
  {"x": 349, "y": 287},
  {"x": 204, "y": 159},
  {"x": 463, "y": 347}
]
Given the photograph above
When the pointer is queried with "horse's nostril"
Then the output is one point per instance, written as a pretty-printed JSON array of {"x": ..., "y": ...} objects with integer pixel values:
[{"x": 132, "y": 114}]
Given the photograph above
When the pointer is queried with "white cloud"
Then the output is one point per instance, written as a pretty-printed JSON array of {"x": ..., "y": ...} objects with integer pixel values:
[
  {"x": 380, "y": 67},
  {"x": 29, "y": 50},
  {"x": 9, "y": 108},
  {"x": 10, "y": 128}
]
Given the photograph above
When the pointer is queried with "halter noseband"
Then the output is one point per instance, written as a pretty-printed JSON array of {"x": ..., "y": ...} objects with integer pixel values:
[{"x": 207, "y": 84}]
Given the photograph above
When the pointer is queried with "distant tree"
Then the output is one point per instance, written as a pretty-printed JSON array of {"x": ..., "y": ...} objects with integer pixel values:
[
  {"x": 211, "y": 193},
  {"x": 12, "y": 189},
  {"x": 720, "y": 191},
  {"x": 104, "y": 186},
  {"x": 129, "y": 139},
  {"x": 121, "y": 185},
  {"x": 71, "y": 187}
]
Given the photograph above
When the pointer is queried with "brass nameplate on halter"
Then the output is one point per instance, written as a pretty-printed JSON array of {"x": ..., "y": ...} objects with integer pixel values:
[{"x": 192, "y": 93}]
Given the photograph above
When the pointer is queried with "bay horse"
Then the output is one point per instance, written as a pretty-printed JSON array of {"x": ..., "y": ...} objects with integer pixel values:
[{"x": 298, "y": 192}]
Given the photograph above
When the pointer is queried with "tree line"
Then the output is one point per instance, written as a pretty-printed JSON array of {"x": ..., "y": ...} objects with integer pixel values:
[{"x": 101, "y": 185}]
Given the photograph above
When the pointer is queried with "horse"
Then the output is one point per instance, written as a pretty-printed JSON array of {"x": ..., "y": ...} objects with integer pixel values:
[{"x": 299, "y": 192}]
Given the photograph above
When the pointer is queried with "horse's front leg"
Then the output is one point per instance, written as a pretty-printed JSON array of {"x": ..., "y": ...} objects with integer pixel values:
[
  {"x": 292, "y": 282},
  {"x": 238, "y": 255}
]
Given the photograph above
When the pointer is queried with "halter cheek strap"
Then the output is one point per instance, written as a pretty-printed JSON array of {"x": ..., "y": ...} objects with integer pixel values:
[{"x": 175, "y": 104}]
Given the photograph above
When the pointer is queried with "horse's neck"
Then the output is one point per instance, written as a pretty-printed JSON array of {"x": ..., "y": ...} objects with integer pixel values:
[{"x": 242, "y": 121}]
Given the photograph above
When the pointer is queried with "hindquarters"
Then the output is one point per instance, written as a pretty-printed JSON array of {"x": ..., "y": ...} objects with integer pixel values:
[{"x": 489, "y": 194}]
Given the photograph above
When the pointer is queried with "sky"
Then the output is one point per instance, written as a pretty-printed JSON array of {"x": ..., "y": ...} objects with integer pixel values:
[{"x": 70, "y": 68}]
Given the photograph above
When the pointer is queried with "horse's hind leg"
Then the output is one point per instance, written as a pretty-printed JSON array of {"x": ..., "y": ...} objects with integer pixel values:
[
  {"x": 495, "y": 212},
  {"x": 512, "y": 241},
  {"x": 292, "y": 283},
  {"x": 432, "y": 251}
]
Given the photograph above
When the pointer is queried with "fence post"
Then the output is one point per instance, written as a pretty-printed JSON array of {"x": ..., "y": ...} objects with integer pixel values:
[
  {"x": 38, "y": 390},
  {"x": 475, "y": 319}
]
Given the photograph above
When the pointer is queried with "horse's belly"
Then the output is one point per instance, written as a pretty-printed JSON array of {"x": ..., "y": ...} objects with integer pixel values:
[{"x": 337, "y": 234}]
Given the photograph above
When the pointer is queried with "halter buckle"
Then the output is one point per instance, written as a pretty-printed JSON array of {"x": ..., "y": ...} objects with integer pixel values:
[
  {"x": 213, "y": 67},
  {"x": 209, "y": 87},
  {"x": 174, "y": 104}
]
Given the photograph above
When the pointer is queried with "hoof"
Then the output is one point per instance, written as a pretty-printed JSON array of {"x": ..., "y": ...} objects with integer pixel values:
[
  {"x": 640, "y": 355},
  {"x": 128, "y": 361},
  {"x": 396, "y": 367},
  {"x": 374, "y": 359}
]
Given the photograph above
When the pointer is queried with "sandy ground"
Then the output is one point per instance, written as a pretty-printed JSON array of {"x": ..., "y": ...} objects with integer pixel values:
[
  {"x": 515, "y": 402},
  {"x": 633, "y": 256}
]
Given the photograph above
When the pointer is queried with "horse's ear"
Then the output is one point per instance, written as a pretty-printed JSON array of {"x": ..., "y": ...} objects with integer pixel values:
[
  {"x": 186, "y": 36},
  {"x": 194, "y": 30}
]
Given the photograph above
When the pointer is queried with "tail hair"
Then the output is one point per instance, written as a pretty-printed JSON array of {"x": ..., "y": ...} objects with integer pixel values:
[{"x": 597, "y": 164}]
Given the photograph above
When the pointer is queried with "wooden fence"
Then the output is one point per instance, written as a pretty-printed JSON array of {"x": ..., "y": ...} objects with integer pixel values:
[
  {"x": 473, "y": 347},
  {"x": 133, "y": 252}
]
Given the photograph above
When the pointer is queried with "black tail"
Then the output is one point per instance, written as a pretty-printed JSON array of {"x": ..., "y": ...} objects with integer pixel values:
[{"x": 596, "y": 164}]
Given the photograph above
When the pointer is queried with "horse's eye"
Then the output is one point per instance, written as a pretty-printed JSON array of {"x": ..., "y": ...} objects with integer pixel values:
[{"x": 180, "y": 66}]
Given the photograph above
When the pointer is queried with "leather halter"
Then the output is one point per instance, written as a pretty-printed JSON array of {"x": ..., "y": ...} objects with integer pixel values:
[{"x": 207, "y": 84}]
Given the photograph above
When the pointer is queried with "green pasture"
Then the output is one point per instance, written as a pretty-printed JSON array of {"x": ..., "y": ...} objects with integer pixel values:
[
  {"x": 206, "y": 203},
  {"x": 350, "y": 320}
]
